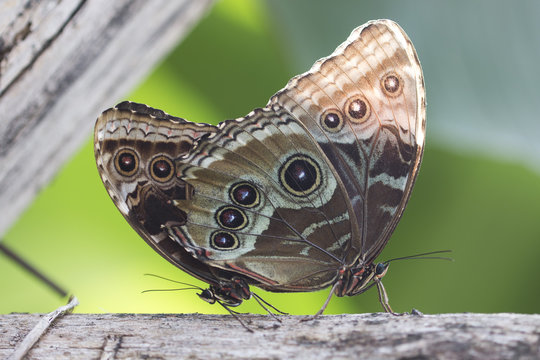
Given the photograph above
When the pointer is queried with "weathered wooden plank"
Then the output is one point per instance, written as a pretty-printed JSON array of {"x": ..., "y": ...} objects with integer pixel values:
[
  {"x": 196, "y": 336},
  {"x": 61, "y": 63}
]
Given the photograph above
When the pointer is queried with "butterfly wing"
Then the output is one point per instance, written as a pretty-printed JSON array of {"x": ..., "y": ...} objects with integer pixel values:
[
  {"x": 291, "y": 194},
  {"x": 265, "y": 203},
  {"x": 365, "y": 107},
  {"x": 135, "y": 147}
]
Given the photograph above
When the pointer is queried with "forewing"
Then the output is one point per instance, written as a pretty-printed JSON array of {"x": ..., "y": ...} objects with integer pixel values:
[{"x": 365, "y": 106}]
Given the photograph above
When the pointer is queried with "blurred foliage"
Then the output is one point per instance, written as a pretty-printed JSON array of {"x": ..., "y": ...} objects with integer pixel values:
[{"x": 484, "y": 209}]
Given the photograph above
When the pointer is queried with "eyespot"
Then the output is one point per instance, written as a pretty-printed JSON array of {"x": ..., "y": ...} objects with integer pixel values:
[
  {"x": 224, "y": 240},
  {"x": 332, "y": 120},
  {"x": 392, "y": 84},
  {"x": 126, "y": 162},
  {"x": 244, "y": 194},
  {"x": 358, "y": 109},
  {"x": 231, "y": 218},
  {"x": 161, "y": 168},
  {"x": 300, "y": 175}
]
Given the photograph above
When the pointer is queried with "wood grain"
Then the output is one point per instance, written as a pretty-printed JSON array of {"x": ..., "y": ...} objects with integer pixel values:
[
  {"x": 61, "y": 64},
  {"x": 196, "y": 336}
]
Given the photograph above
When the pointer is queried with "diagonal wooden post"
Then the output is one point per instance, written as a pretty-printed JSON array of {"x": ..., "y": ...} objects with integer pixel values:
[{"x": 63, "y": 62}]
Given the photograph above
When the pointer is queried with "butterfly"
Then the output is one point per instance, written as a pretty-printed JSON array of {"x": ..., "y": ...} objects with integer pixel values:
[{"x": 300, "y": 195}]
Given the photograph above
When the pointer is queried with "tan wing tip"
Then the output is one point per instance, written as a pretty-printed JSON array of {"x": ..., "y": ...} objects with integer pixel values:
[
  {"x": 401, "y": 36},
  {"x": 387, "y": 24}
]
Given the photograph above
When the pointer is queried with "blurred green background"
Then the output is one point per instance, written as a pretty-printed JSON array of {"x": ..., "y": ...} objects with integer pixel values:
[{"x": 478, "y": 191}]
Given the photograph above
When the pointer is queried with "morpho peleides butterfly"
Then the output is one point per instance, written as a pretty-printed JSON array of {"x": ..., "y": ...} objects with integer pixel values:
[{"x": 300, "y": 195}]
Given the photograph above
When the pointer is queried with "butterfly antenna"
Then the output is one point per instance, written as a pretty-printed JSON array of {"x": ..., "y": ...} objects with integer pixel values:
[
  {"x": 424, "y": 256},
  {"x": 188, "y": 286},
  {"x": 175, "y": 281},
  {"x": 178, "y": 289}
]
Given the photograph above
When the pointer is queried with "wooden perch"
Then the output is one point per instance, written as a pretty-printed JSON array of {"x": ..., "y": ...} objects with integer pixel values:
[
  {"x": 61, "y": 64},
  {"x": 196, "y": 336}
]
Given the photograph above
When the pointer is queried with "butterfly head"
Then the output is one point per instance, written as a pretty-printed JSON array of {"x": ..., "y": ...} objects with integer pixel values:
[{"x": 380, "y": 270}]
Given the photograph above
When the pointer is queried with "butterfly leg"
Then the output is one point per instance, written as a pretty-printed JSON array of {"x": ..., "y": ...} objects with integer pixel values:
[
  {"x": 234, "y": 314},
  {"x": 232, "y": 293},
  {"x": 263, "y": 302},
  {"x": 383, "y": 298},
  {"x": 321, "y": 310}
]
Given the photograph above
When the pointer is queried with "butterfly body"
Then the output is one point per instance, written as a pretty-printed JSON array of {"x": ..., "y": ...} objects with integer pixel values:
[{"x": 300, "y": 195}]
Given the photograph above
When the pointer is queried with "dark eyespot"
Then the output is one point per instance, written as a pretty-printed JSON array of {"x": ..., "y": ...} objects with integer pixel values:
[
  {"x": 392, "y": 84},
  {"x": 332, "y": 121},
  {"x": 244, "y": 194},
  {"x": 222, "y": 240},
  {"x": 358, "y": 110},
  {"x": 231, "y": 218},
  {"x": 161, "y": 168},
  {"x": 126, "y": 162},
  {"x": 300, "y": 175}
]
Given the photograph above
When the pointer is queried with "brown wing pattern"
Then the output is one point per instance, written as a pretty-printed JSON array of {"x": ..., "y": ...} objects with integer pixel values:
[
  {"x": 292, "y": 237},
  {"x": 127, "y": 140},
  {"x": 293, "y": 194},
  {"x": 365, "y": 106}
]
